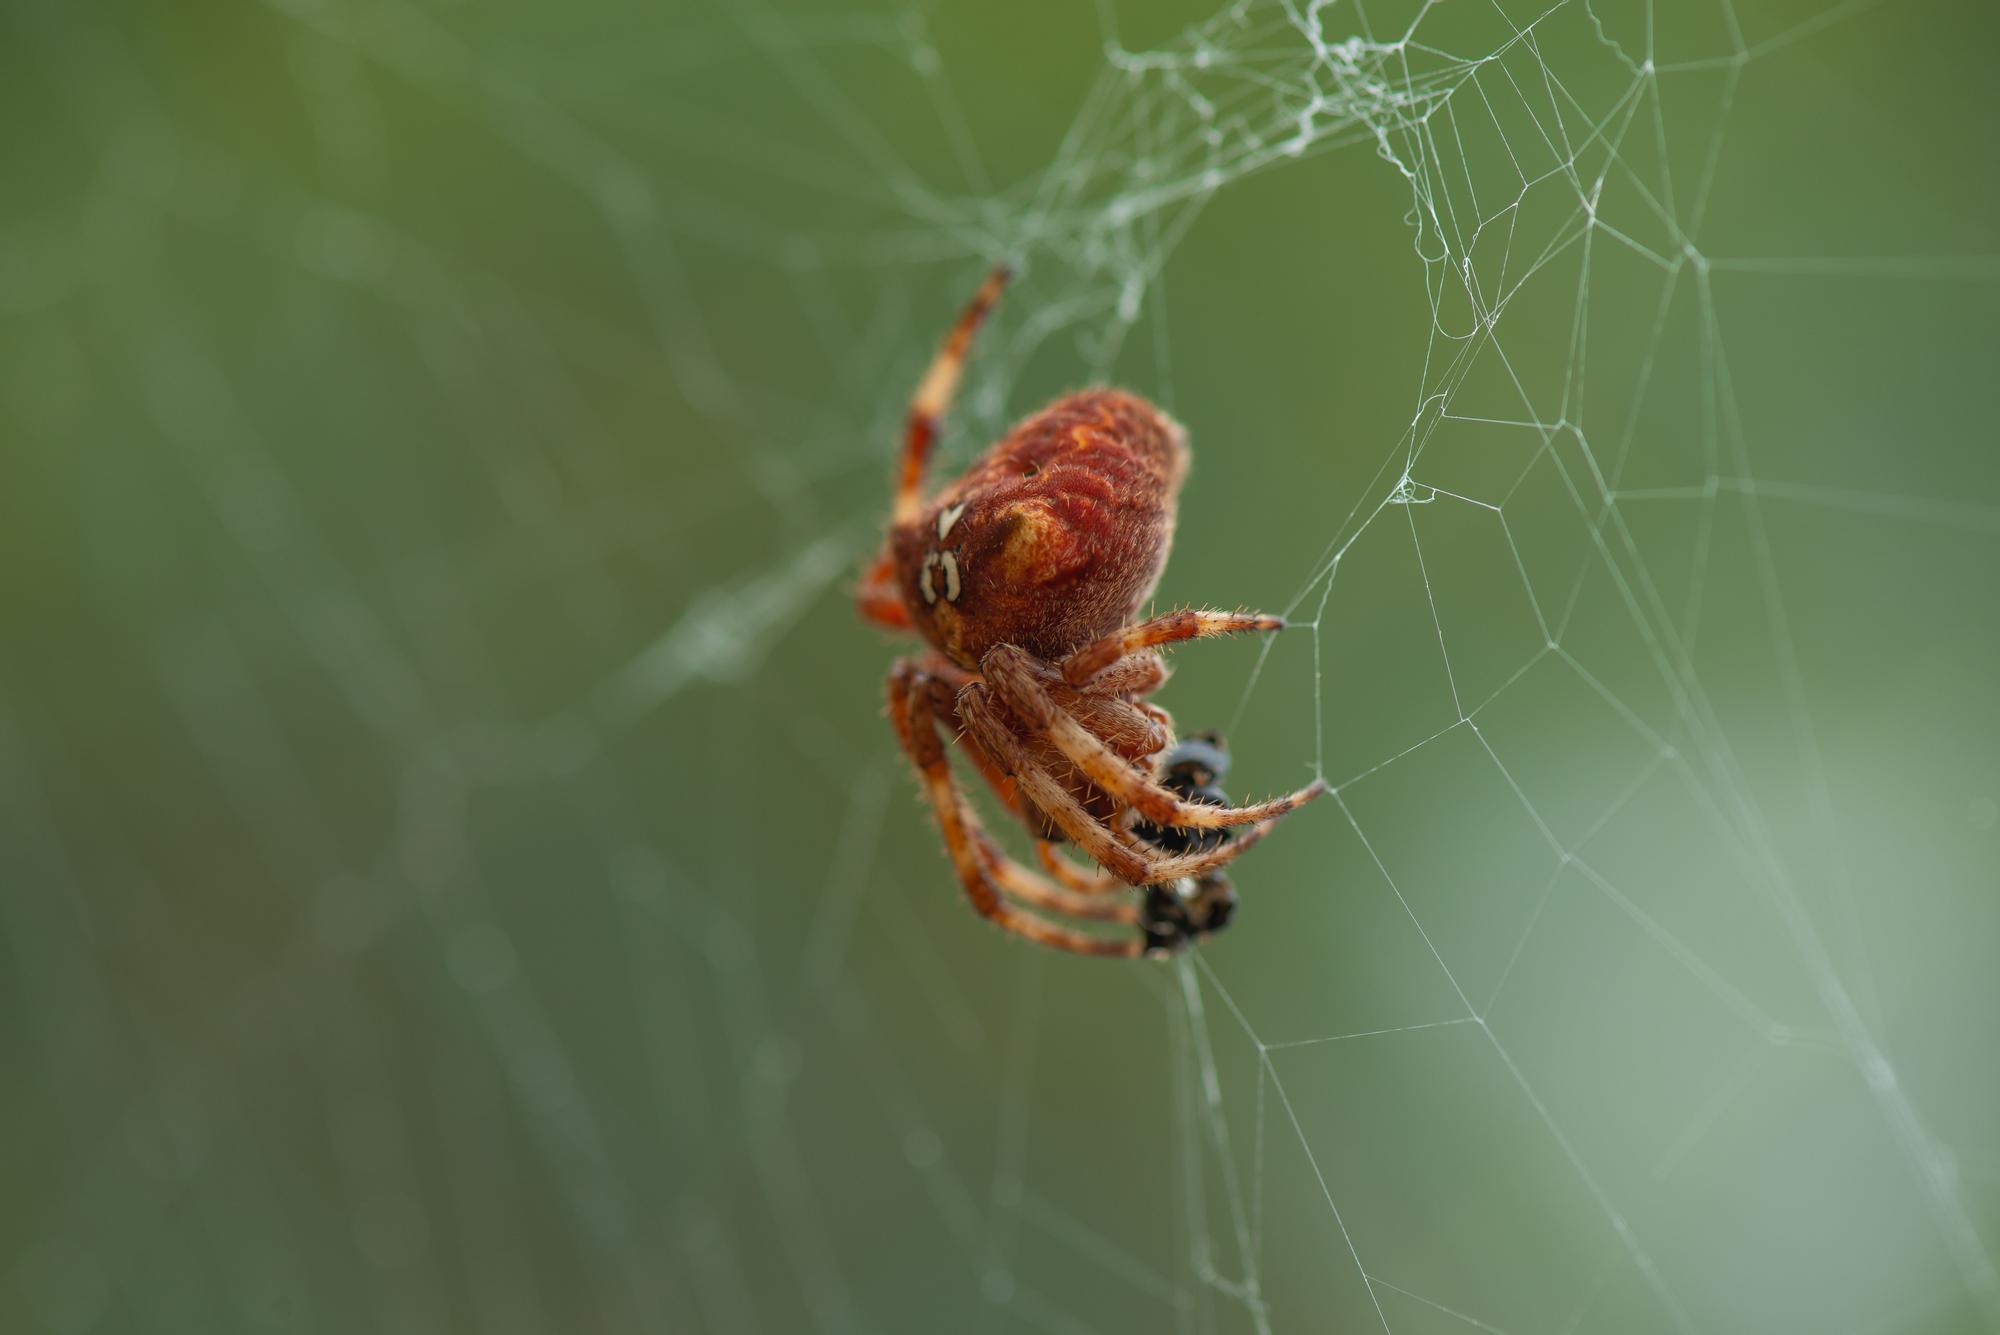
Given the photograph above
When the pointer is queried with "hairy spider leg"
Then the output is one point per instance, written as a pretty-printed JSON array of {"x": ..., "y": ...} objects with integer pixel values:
[
  {"x": 877, "y": 597},
  {"x": 1071, "y": 875},
  {"x": 1030, "y": 888},
  {"x": 912, "y": 711},
  {"x": 1108, "y": 710},
  {"x": 1127, "y": 859},
  {"x": 944, "y": 679},
  {"x": 1007, "y": 672},
  {"x": 935, "y": 392},
  {"x": 989, "y": 730},
  {"x": 1171, "y": 628}
]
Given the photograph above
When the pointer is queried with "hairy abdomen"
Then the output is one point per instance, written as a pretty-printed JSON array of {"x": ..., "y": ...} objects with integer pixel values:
[{"x": 1056, "y": 535}]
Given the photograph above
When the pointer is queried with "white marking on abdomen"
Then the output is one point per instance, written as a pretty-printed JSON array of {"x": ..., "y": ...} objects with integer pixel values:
[
  {"x": 946, "y": 518},
  {"x": 949, "y": 560}
]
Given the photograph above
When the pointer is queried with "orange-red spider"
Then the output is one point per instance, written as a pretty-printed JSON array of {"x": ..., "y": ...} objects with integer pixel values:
[{"x": 1024, "y": 576}]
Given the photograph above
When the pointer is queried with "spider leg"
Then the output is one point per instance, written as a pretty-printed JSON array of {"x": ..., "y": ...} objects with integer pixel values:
[
  {"x": 1008, "y": 675},
  {"x": 913, "y": 712},
  {"x": 1168, "y": 867},
  {"x": 1030, "y": 888},
  {"x": 944, "y": 679},
  {"x": 985, "y": 719},
  {"x": 1131, "y": 677},
  {"x": 1082, "y": 897},
  {"x": 1186, "y": 624},
  {"x": 1130, "y": 731},
  {"x": 1124, "y": 857},
  {"x": 1071, "y": 875},
  {"x": 934, "y": 394},
  {"x": 1131, "y": 728},
  {"x": 876, "y": 597}
]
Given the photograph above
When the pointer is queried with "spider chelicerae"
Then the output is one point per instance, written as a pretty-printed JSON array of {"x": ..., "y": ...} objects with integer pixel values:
[{"x": 1024, "y": 576}]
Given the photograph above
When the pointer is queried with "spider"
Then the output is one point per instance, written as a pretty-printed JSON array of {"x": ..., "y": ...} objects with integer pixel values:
[{"x": 1024, "y": 576}]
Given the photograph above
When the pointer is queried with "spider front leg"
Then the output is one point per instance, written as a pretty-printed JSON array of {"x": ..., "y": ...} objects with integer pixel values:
[
  {"x": 877, "y": 598},
  {"x": 1007, "y": 672},
  {"x": 914, "y": 714},
  {"x": 935, "y": 392},
  {"x": 1172, "y": 628}
]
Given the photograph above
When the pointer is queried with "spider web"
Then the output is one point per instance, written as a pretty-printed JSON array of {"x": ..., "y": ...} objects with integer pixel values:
[{"x": 456, "y": 876}]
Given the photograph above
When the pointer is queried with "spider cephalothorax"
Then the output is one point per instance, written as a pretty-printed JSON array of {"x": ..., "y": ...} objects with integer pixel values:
[{"x": 1024, "y": 575}]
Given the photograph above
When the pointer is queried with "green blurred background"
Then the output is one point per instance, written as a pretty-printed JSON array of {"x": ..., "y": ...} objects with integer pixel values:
[{"x": 455, "y": 874}]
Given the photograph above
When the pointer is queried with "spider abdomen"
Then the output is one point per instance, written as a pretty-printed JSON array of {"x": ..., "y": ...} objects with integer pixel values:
[{"x": 1053, "y": 537}]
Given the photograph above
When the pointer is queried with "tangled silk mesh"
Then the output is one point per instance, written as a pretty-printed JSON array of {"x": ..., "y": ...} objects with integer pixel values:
[{"x": 1439, "y": 1161}]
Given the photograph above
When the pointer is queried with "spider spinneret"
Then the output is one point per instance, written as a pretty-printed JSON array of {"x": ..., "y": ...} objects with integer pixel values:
[{"x": 1024, "y": 576}]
